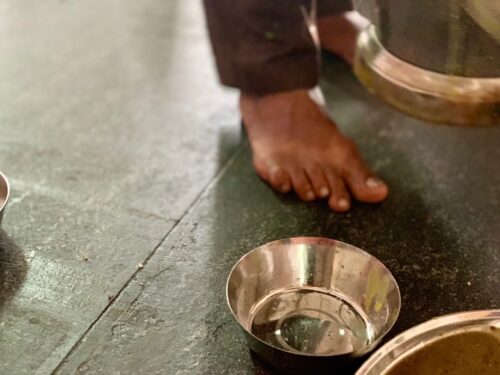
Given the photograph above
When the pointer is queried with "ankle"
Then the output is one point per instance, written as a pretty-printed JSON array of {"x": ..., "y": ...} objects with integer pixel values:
[{"x": 272, "y": 103}]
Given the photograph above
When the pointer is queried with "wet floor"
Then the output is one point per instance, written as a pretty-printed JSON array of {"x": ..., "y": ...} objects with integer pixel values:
[{"x": 133, "y": 195}]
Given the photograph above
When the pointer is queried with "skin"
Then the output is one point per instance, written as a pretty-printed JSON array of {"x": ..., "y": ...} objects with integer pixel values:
[{"x": 296, "y": 146}]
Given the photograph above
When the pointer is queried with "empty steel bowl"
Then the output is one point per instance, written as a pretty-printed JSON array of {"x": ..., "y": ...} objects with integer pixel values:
[
  {"x": 310, "y": 302},
  {"x": 426, "y": 334},
  {"x": 4, "y": 194}
]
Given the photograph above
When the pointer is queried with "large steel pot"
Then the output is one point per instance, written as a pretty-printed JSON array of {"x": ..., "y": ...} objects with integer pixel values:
[{"x": 435, "y": 60}]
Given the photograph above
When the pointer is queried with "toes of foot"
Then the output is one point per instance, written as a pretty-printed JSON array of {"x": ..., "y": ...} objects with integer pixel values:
[
  {"x": 302, "y": 185},
  {"x": 373, "y": 182},
  {"x": 261, "y": 169},
  {"x": 364, "y": 185},
  {"x": 323, "y": 192},
  {"x": 280, "y": 180},
  {"x": 378, "y": 188},
  {"x": 309, "y": 196},
  {"x": 368, "y": 188},
  {"x": 339, "y": 197},
  {"x": 339, "y": 204},
  {"x": 305, "y": 193},
  {"x": 319, "y": 182}
]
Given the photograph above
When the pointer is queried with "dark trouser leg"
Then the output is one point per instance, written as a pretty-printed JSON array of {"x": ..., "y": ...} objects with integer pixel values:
[
  {"x": 261, "y": 46},
  {"x": 264, "y": 46},
  {"x": 330, "y": 7}
]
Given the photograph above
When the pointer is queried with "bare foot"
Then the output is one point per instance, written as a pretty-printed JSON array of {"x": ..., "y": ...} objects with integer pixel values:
[
  {"x": 296, "y": 146},
  {"x": 338, "y": 34}
]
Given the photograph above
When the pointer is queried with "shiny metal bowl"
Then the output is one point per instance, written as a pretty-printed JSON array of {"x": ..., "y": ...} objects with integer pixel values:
[
  {"x": 425, "y": 334},
  {"x": 4, "y": 194},
  {"x": 306, "y": 302}
]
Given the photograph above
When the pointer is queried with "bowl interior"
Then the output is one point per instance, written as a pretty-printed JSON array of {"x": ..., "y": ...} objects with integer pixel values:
[{"x": 313, "y": 296}]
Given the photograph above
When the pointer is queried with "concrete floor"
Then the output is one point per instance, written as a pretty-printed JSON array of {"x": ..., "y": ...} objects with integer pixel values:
[{"x": 133, "y": 195}]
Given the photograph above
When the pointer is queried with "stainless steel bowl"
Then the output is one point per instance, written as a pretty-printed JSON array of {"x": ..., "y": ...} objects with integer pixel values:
[
  {"x": 309, "y": 302},
  {"x": 425, "y": 334},
  {"x": 4, "y": 194}
]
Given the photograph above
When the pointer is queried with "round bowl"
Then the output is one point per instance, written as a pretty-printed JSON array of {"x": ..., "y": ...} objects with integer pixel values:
[
  {"x": 429, "y": 333},
  {"x": 4, "y": 194},
  {"x": 306, "y": 302}
]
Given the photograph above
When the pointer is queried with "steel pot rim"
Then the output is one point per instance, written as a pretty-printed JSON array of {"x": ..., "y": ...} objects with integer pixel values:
[{"x": 453, "y": 321}]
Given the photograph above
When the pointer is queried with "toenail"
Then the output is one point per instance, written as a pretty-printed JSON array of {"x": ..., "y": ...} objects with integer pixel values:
[
  {"x": 309, "y": 195},
  {"x": 343, "y": 203},
  {"x": 285, "y": 188},
  {"x": 323, "y": 192},
  {"x": 373, "y": 182}
]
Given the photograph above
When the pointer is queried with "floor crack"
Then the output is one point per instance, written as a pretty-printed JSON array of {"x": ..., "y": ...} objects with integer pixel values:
[{"x": 207, "y": 188}]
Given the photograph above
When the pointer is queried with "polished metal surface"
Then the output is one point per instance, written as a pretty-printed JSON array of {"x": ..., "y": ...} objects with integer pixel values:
[
  {"x": 423, "y": 93},
  {"x": 454, "y": 37},
  {"x": 426, "y": 333},
  {"x": 4, "y": 194},
  {"x": 312, "y": 297},
  {"x": 438, "y": 61}
]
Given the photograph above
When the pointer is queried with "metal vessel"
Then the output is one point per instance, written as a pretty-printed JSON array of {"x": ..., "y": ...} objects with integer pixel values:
[
  {"x": 4, "y": 194},
  {"x": 309, "y": 303},
  {"x": 438, "y": 61},
  {"x": 425, "y": 334}
]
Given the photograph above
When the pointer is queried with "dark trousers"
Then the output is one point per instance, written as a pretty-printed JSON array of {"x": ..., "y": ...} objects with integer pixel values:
[{"x": 264, "y": 46}]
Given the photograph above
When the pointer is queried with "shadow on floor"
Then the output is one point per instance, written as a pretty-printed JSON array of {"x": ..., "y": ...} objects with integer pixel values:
[{"x": 13, "y": 269}]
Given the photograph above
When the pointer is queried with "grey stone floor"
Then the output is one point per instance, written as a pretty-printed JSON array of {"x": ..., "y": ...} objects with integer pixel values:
[{"x": 133, "y": 195}]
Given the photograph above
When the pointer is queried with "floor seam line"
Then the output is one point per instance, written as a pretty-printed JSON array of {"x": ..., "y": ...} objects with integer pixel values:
[{"x": 205, "y": 189}]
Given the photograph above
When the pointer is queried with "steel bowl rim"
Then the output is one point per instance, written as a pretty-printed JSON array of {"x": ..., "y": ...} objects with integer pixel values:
[
  {"x": 309, "y": 239},
  {"x": 4, "y": 179},
  {"x": 415, "y": 331}
]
